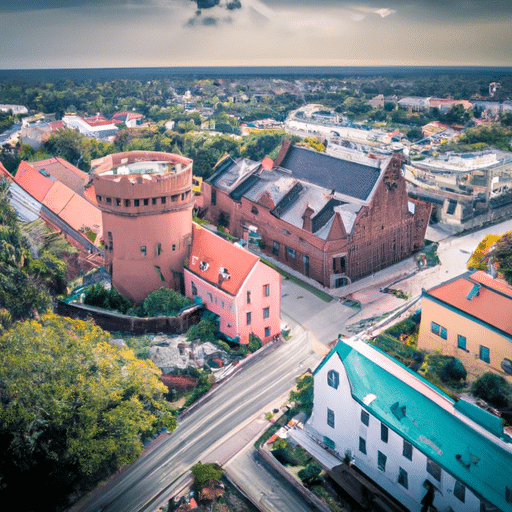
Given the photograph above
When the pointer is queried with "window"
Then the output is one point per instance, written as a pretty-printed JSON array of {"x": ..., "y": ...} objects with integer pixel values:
[
  {"x": 440, "y": 331},
  {"x": 305, "y": 261},
  {"x": 266, "y": 290},
  {"x": 174, "y": 197},
  {"x": 402, "y": 478},
  {"x": 127, "y": 202},
  {"x": 153, "y": 200},
  {"x": 162, "y": 200},
  {"x": 98, "y": 198},
  {"x": 193, "y": 287},
  {"x": 365, "y": 417},
  {"x": 158, "y": 249},
  {"x": 275, "y": 248},
  {"x": 248, "y": 297},
  {"x": 381, "y": 461},
  {"x": 329, "y": 443},
  {"x": 267, "y": 332},
  {"x": 136, "y": 202},
  {"x": 434, "y": 470},
  {"x": 508, "y": 494},
  {"x": 143, "y": 250},
  {"x": 248, "y": 318},
  {"x": 461, "y": 342},
  {"x": 407, "y": 450},
  {"x": 214, "y": 197},
  {"x": 333, "y": 379},
  {"x": 290, "y": 252},
  {"x": 266, "y": 312},
  {"x": 146, "y": 202},
  {"x": 109, "y": 200},
  {"x": 254, "y": 210},
  {"x": 384, "y": 433},
  {"x": 159, "y": 272},
  {"x": 485, "y": 354},
  {"x": 362, "y": 445},
  {"x": 118, "y": 201},
  {"x": 459, "y": 491},
  {"x": 173, "y": 247},
  {"x": 330, "y": 418}
]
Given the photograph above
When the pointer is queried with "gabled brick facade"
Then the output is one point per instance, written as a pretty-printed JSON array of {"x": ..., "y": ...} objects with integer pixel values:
[{"x": 345, "y": 221}]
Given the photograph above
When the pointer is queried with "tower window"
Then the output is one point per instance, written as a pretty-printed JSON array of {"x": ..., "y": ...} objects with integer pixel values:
[
  {"x": 158, "y": 249},
  {"x": 143, "y": 250},
  {"x": 136, "y": 202},
  {"x": 127, "y": 202},
  {"x": 162, "y": 199},
  {"x": 146, "y": 202}
]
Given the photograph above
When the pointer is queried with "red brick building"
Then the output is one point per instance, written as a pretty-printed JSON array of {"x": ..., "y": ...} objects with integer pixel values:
[
  {"x": 146, "y": 203},
  {"x": 331, "y": 219}
]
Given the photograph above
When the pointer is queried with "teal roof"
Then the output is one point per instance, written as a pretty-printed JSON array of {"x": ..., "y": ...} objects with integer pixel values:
[{"x": 475, "y": 460}]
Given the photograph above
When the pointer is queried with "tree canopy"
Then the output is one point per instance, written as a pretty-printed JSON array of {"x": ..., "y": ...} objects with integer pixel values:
[
  {"x": 74, "y": 408},
  {"x": 164, "y": 302},
  {"x": 503, "y": 256}
]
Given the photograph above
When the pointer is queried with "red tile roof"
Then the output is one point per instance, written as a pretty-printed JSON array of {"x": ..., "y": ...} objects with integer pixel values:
[
  {"x": 31, "y": 180},
  {"x": 65, "y": 172},
  {"x": 492, "y": 304},
  {"x": 209, "y": 248}
]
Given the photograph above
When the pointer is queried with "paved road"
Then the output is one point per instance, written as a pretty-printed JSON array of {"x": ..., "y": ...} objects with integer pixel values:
[
  {"x": 147, "y": 483},
  {"x": 263, "y": 485}
]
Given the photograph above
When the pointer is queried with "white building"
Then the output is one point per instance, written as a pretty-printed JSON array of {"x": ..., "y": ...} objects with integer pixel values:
[
  {"x": 15, "y": 109},
  {"x": 404, "y": 435},
  {"x": 98, "y": 129}
]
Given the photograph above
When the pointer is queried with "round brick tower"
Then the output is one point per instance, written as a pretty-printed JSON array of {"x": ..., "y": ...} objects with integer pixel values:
[{"x": 146, "y": 202}]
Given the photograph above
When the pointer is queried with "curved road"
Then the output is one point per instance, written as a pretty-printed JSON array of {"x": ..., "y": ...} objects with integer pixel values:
[{"x": 148, "y": 482}]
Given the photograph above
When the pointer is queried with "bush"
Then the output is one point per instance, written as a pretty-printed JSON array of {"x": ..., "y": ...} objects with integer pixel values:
[
  {"x": 255, "y": 343},
  {"x": 494, "y": 389},
  {"x": 164, "y": 302},
  {"x": 310, "y": 472},
  {"x": 203, "y": 331},
  {"x": 111, "y": 299},
  {"x": 453, "y": 370},
  {"x": 203, "y": 473}
]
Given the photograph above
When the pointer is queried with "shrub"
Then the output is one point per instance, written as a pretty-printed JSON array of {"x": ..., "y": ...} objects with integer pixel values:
[
  {"x": 453, "y": 370},
  {"x": 493, "y": 388},
  {"x": 310, "y": 472},
  {"x": 254, "y": 343},
  {"x": 203, "y": 473},
  {"x": 164, "y": 302},
  {"x": 111, "y": 299},
  {"x": 203, "y": 331}
]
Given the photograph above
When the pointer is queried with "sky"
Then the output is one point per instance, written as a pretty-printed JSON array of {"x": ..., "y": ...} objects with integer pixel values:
[{"x": 176, "y": 33}]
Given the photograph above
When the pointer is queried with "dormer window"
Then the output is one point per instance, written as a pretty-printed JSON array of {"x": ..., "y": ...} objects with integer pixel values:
[
  {"x": 204, "y": 266},
  {"x": 223, "y": 272}
]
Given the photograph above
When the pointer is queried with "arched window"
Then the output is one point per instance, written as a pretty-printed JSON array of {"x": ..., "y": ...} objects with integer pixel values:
[{"x": 333, "y": 379}]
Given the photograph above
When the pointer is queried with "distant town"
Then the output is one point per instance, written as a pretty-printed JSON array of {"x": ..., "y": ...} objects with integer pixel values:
[{"x": 174, "y": 245}]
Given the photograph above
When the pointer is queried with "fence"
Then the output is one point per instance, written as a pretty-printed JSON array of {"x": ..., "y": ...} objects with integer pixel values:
[{"x": 116, "y": 322}]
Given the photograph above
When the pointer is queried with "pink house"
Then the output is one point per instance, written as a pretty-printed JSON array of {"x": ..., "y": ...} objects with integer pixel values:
[{"x": 235, "y": 285}]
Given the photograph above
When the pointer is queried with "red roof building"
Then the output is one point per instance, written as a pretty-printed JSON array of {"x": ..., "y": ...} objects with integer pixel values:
[
  {"x": 234, "y": 284},
  {"x": 469, "y": 317}
]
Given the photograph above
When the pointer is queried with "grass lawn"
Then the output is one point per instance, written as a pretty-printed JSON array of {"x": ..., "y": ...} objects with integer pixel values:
[{"x": 315, "y": 291}]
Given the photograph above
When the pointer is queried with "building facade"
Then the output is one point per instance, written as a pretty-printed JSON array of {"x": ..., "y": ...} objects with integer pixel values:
[
  {"x": 235, "y": 285},
  {"x": 404, "y": 438},
  {"x": 331, "y": 219},
  {"x": 469, "y": 318},
  {"x": 146, "y": 202}
]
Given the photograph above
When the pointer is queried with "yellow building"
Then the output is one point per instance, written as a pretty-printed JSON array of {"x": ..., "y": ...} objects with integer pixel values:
[{"x": 470, "y": 318}]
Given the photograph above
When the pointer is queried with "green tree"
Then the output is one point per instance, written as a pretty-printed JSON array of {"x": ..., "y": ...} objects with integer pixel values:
[
  {"x": 303, "y": 397},
  {"x": 164, "y": 302},
  {"x": 503, "y": 256},
  {"x": 494, "y": 389},
  {"x": 203, "y": 331},
  {"x": 75, "y": 408}
]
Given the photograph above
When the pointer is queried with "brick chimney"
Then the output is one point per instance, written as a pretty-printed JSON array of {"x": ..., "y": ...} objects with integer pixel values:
[{"x": 307, "y": 223}]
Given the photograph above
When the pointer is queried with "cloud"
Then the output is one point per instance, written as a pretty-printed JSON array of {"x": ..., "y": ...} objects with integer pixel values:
[{"x": 382, "y": 12}]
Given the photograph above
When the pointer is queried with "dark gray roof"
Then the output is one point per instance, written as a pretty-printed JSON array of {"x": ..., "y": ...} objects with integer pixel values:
[{"x": 348, "y": 178}]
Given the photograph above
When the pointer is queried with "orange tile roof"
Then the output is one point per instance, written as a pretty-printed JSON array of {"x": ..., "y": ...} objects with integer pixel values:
[
  {"x": 79, "y": 213},
  {"x": 57, "y": 197},
  {"x": 65, "y": 172},
  {"x": 492, "y": 304},
  {"x": 218, "y": 253},
  {"x": 33, "y": 181}
]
